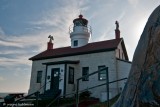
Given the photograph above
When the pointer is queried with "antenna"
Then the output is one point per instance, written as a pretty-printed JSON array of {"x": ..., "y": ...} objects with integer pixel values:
[
  {"x": 80, "y": 11},
  {"x": 79, "y": 7}
]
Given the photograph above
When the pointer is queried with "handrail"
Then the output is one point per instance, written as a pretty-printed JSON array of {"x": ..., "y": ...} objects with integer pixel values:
[
  {"x": 60, "y": 96},
  {"x": 105, "y": 84},
  {"x": 26, "y": 96},
  {"x": 44, "y": 85},
  {"x": 77, "y": 84},
  {"x": 53, "y": 101},
  {"x": 34, "y": 93},
  {"x": 84, "y": 90}
]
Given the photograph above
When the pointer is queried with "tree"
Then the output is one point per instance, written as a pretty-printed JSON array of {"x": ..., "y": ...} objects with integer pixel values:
[{"x": 143, "y": 84}]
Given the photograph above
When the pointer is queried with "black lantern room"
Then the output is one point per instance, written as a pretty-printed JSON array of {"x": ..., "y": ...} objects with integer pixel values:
[{"x": 80, "y": 21}]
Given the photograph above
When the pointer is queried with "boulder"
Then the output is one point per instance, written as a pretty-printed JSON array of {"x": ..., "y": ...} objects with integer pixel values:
[{"x": 143, "y": 84}]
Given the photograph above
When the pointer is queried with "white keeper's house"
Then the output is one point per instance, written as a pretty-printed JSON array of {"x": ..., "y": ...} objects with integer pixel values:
[{"x": 58, "y": 68}]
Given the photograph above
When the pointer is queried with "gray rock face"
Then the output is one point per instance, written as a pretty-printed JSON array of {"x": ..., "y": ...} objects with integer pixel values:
[{"x": 143, "y": 85}]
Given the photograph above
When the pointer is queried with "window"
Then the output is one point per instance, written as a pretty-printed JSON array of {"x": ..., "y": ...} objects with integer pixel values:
[
  {"x": 85, "y": 71},
  {"x": 71, "y": 75},
  {"x": 78, "y": 23},
  {"x": 102, "y": 74},
  {"x": 75, "y": 43},
  {"x": 39, "y": 76}
]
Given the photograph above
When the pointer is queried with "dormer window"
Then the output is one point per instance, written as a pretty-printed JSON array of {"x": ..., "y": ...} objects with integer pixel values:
[{"x": 75, "y": 43}]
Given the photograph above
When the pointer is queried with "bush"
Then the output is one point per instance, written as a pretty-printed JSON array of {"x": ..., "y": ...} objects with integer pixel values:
[
  {"x": 9, "y": 99},
  {"x": 85, "y": 94}
]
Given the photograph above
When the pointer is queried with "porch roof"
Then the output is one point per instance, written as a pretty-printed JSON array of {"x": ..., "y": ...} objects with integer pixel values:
[{"x": 62, "y": 62}]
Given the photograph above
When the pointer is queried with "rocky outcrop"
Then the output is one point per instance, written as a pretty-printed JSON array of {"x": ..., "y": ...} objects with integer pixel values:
[{"x": 143, "y": 85}]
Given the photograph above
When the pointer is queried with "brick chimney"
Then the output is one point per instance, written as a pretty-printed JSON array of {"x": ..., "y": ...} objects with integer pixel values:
[
  {"x": 117, "y": 31},
  {"x": 50, "y": 44}
]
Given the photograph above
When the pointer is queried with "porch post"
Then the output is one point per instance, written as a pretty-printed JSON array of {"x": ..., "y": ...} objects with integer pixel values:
[
  {"x": 77, "y": 96},
  {"x": 65, "y": 79},
  {"x": 45, "y": 78},
  {"x": 107, "y": 86}
]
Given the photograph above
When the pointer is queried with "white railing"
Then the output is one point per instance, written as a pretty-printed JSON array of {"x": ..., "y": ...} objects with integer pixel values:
[{"x": 73, "y": 28}]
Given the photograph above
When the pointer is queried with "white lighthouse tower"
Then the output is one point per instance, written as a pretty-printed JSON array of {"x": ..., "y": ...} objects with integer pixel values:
[{"x": 79, "y": 32}]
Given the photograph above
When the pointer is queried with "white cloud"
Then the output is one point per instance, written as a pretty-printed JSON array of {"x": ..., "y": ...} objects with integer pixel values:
[
  {"x": 61, "y": 19},
  {"x": 5, "y": 43},
  {"x": 106, "y": 34},
  {"x": 58, "y": 26},
  {"x": 2, "y": 79},
  {"x": 8, "y": 41},
  {"x": 1, "y": 32},
  {"x": 133, "y": 2}
]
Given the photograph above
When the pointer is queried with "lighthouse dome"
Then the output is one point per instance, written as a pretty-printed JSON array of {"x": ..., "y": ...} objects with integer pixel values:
[{"x": 80, "y": 21}]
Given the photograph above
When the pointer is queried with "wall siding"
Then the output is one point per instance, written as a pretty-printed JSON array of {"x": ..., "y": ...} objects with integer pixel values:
[{"x": 123, "y": 71}]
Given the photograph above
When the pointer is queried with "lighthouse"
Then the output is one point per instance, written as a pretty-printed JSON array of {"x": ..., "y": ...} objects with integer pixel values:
[{"x": 80, "y": 32}]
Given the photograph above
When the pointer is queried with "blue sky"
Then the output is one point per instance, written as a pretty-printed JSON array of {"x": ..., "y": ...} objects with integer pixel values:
[{"x": 26, "y": 24}]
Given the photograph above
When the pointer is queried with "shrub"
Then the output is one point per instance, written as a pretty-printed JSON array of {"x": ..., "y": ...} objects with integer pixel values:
[
  {"x": 9, "y": 99},
  {"x": 85, "y": 94}
]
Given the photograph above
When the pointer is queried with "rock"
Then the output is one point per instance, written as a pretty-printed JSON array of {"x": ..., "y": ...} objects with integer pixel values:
[{"x": 143, "y": 84}]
